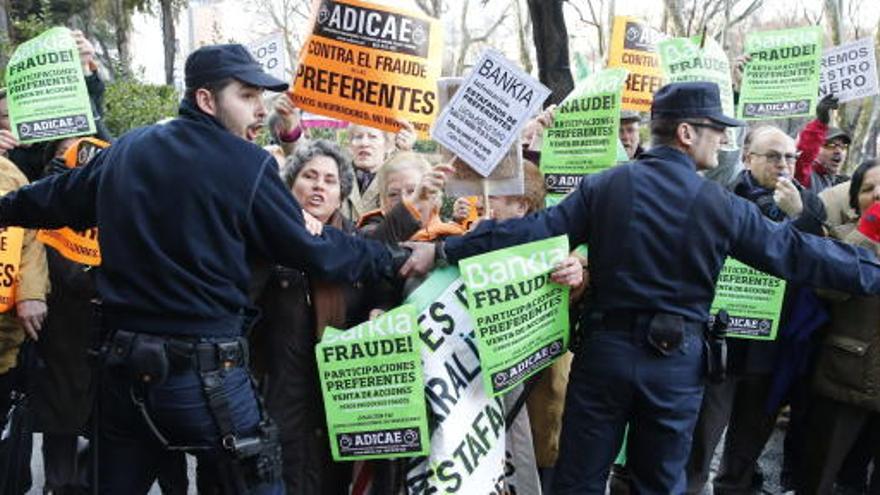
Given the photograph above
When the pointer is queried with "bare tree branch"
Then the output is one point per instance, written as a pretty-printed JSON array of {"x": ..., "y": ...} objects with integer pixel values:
[
  {"x": 690, "y": 22},
  {"x": 673, "y": 13},
  {"x": 434, "y": 8},
  {"x": 751, "y": 9},
  {"x": 468, "y": 39}
]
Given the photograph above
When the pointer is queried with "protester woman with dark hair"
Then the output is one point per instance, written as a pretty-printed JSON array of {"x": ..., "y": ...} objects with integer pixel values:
[
  {"x": 295, "y": 310},
  {"x": 847, "y": 378}
]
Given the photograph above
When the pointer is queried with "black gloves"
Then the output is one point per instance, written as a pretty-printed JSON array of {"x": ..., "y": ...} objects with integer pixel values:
[{"x": 823, "y": 109}]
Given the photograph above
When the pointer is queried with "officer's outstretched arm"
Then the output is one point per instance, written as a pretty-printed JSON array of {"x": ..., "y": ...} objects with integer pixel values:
[
  {"x": 571, "y": 217},
  {"x": 803, "y": 259},
  {"x": 60, "y": 200},
  {"x": 277, "y": 230}
]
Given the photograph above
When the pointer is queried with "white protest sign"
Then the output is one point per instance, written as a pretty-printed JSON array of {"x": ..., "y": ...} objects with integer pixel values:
[
  {"x": 849, "y": 71},
  {"x": 487, "y": 113},
  {"x": 270, "y": 53},
  {"x": 467, "y": 425}
]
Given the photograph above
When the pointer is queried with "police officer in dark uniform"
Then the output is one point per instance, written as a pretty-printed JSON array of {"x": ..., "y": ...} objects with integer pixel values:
[
  {"x": 658, "y": 234},
  {"x": 180, "y": 207}
]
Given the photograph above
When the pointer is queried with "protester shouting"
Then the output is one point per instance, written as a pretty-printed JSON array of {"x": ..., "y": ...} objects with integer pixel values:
[{"x": 822, "y": 149}]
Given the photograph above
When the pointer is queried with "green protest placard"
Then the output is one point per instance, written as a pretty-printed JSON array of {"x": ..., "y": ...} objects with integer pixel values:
[
  {"x": 584, "y": 136},
  {"x": 46, "y": 92},
  {"x": 553, "y": 199},
  {"x": 782, "y": 78},
  {"x": 520, "y": 316},
  {"x": 753, "y": 300},
  {"x": 371, "y": 379},
  {"x": 683, "y": 60}
]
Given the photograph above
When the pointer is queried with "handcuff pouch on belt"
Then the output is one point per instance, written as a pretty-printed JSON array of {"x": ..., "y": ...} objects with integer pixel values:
[
  {"x": 665, "y": 333},
  {"x": 144, "y": 356}
]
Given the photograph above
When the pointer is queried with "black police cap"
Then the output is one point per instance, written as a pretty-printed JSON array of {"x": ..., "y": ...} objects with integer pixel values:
[
  {"x": 691, "y": 100},
  {"x": 217, "y": 62}
]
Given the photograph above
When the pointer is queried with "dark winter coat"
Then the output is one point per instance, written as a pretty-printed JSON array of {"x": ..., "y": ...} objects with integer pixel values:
[
  {"x": 63, "y": 382},
  {"x": 759, "y": 357},
  {"x": 295, "y": 310}
]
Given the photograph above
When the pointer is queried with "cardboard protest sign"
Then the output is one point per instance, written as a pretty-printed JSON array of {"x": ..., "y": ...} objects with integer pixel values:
[
  {"x": 269, "y": 51},
  {"x": 371, "y": 379},
  {"x": 849, "y": 71},
  {"x": 11, "y": 239},
  {"x": 370, "y": 64},
  {"x": 506, "y": 178},
  {"x": 752, "y": 299},
  {"x": 78, "y": 246},
  {"x": 634, "y": 48},
  {"x": 486, "y": 114},
  {"x": 467, "y": 429},
  {"x": 782, "y": 78},
  {"x": 46, "y": 91},
  {"x": 584, "y": 136},
  {"x": 683, "y": 60},
  {"x": 521, "y": 316}
]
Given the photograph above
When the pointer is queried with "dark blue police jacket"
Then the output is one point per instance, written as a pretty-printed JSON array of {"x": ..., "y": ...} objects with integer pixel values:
[
  {"x": 658, "y": 234},
  {"x": 180, "y": 207}
]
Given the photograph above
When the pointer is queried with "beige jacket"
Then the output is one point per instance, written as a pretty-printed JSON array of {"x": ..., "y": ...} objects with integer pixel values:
[
  {"x": 841, "y": 219},
  {"x": 359, "y": 203},
  {"x": 33, "y": 280},
  {"x": 546, "y": 404}
]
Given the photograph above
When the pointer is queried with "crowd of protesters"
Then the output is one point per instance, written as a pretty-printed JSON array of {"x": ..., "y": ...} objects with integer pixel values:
[{"x": 821, "y": 375}]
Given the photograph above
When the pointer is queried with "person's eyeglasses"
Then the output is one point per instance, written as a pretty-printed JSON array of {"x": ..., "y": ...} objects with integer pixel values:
[
  {"x": 774, "y": 157},
  {"x": 715, "y": 127},
  {"x": 836, "y": 146}
]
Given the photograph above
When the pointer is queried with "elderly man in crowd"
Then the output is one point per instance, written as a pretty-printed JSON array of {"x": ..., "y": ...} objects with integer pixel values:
[{"x": 739, "y": 403}]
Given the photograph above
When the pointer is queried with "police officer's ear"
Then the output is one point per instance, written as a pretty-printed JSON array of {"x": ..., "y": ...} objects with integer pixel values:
[
  {"x": 206, "y": 102},
  {"x": 685, "y": 134}
]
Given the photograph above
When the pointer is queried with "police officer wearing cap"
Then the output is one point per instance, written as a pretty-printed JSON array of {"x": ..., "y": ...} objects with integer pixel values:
[
  {"x": 658, "y": 235},
  {"x": 180, "y": 207}
]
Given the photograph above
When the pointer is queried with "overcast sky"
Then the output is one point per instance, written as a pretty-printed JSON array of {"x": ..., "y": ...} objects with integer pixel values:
[{"x": 238, "y": 24}]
